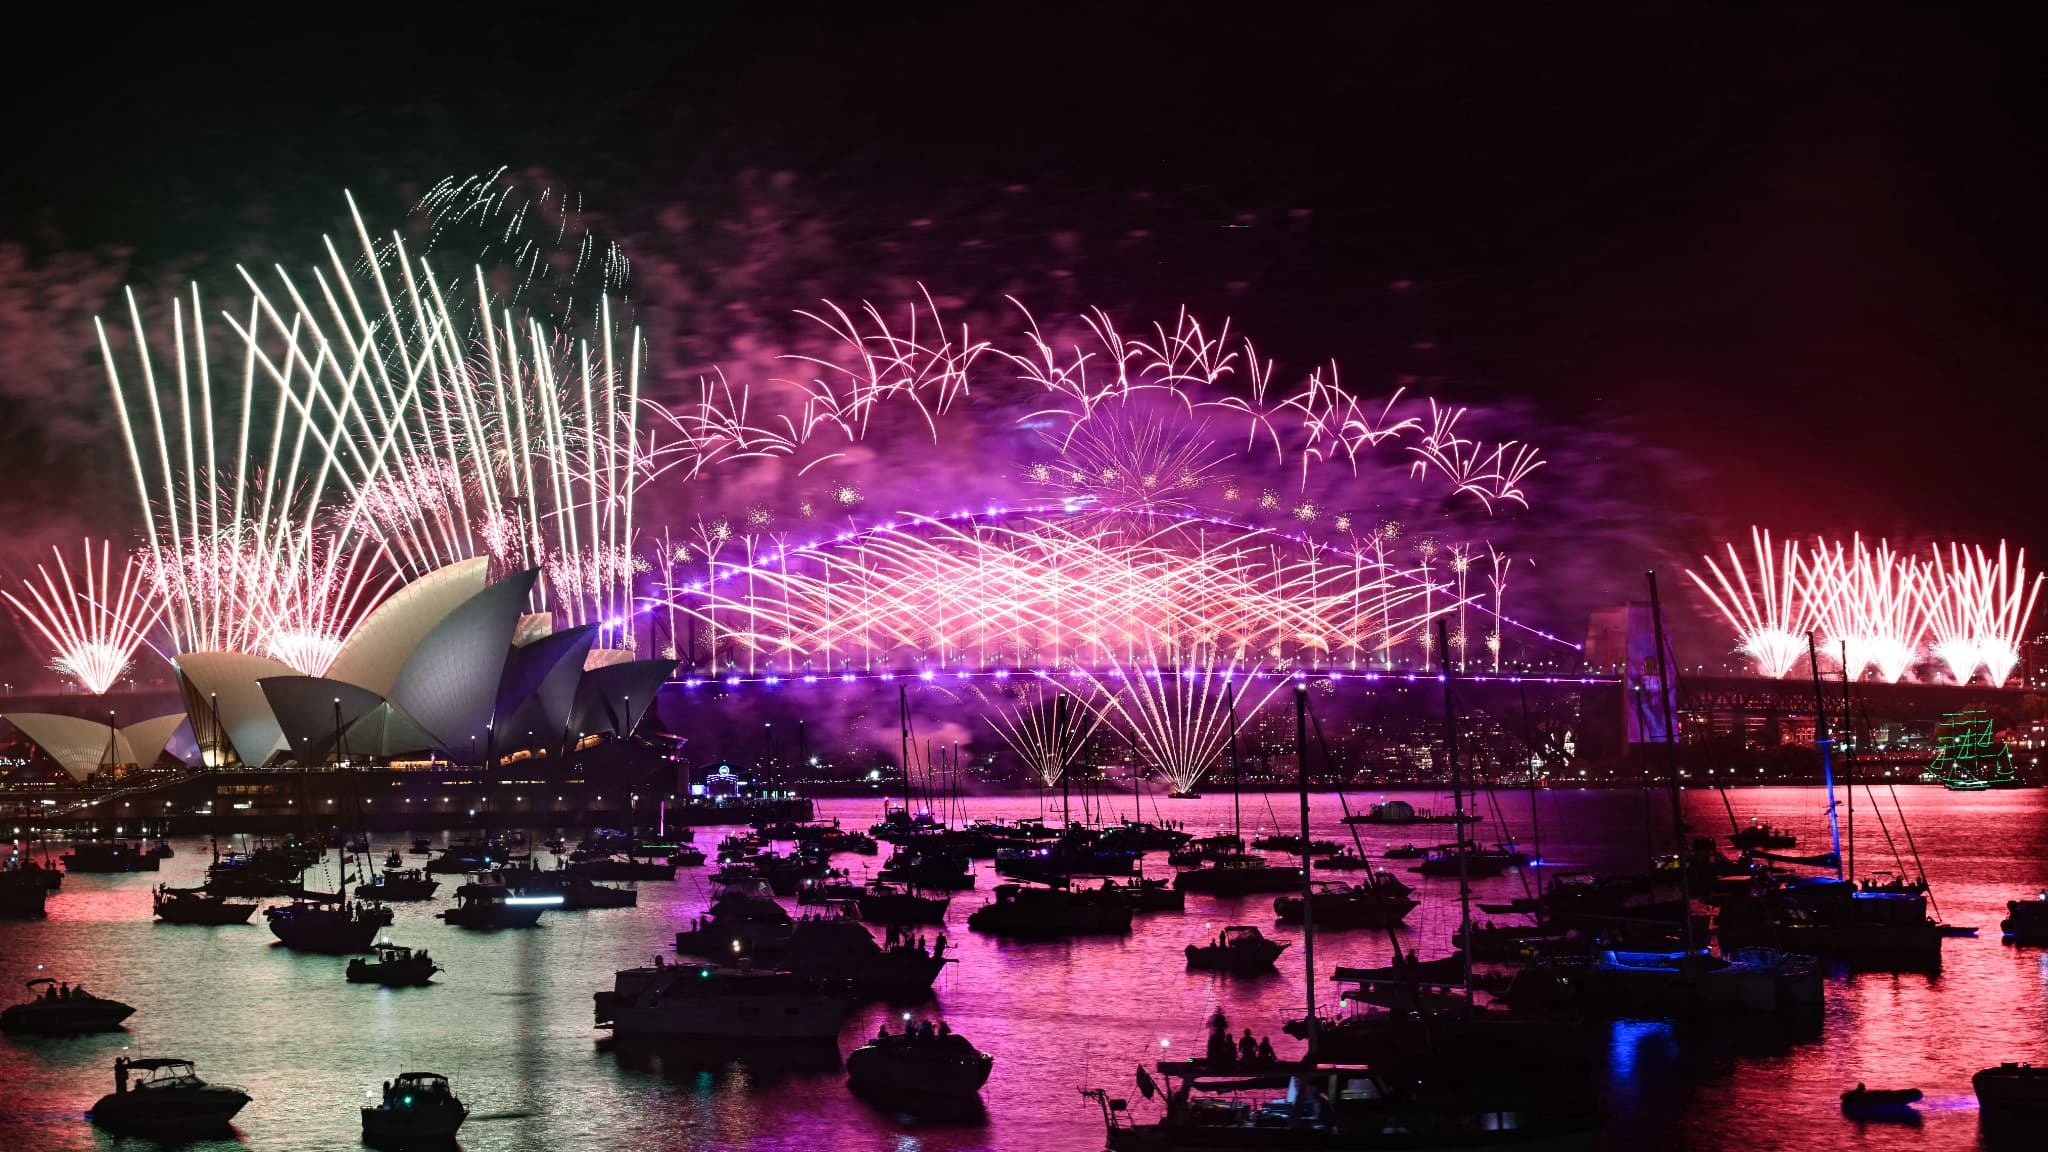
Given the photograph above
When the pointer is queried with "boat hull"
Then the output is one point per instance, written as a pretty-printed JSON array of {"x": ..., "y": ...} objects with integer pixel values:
[
  {"x": 383, "y": 1128},
  {"x": 65, "y": 1017},
  {"x": 877, "y": 1070},
  {"x": 179, "y": 1115},
  {"x": 792, "y": 1019}
]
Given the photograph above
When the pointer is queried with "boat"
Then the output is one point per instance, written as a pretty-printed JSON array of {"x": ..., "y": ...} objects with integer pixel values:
[
  {"x": 1750, "y": 980},
  {"x": 2026, "y": 921},
  {"x": 1240, "y": 949},
  {"x": 578, "y": 891},
  {"x": 943, "y": 870},
  {"x": 1861, "y": 1099},
  {"x": 919, "y": 1062},
  {"x": 265, "y": 872},
  {"x": 616, "y": 868},
  {"x": 162, "y": 849},
  {"x": 1343, "y": 860},
  {"x": 1024, "y": 910},
  {"x": 168, "y": 1101},
  {"x": 198, "y": 906},
  {"x": 61, "y": 1010},
  {"x": 1291, "y": 844},
  {"x": 1822, "y": 916},
  {"x": 886, "y": 904},
  {"x": 1380, "y": 901},
  {"x": 418, "y": 1110},
  {"x": 827, "y": 890},
  {"x": 1149, "y": 895},
  {"x": 1402, "y": 812},
  {"x": 1297, "y": 1107},
  {"x": 394, "y": 967},
  {"x": 330, "y": 924},
  {"x": 488, "y": 906},
  {"x": 405, "y": 885},
  {"x": 1969, "y": 756},
  {"x": 834, "y": 948},
  {"x": 706, "y": 1002},
  {"x": 1468, "y": 859},
  {"x": 110, "y": 856},
  {"x": 1239, "y": 875},
  {"x": 1404, "y": 852},
  {"x": 470, "y": 855},
  {"x": 2012, "y": 1087},
  {"x": 422, "y": 846},
  {"x": 22, "y": 893},
  {"x": 744, "y": 920},
  {"x": 1761, "y": 836}
]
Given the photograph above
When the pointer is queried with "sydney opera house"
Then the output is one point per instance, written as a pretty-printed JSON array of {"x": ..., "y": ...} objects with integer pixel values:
[{"x": 450, "y": 668}]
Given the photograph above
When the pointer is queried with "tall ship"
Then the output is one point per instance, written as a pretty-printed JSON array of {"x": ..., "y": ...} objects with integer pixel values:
[{"x": 1969, "y": 756}]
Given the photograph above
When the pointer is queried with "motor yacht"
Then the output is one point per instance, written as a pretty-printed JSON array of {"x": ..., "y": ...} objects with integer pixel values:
[
  {"x": 166, "y": 1101},
  {"x": 839, "y": 949},
  {"x": 418, "y": 1110},
  {"x": 2013, "y": 1087},
  {"x": 706, "y": 1002},
  {"x": 744, "y": 920},
  {"x": 1240, "y": 874},
  {"x": 919, "y": 1062},
  {"x": 1023, "y": 910},
  {"x": 110, "y": 856},
  {"x": 61, "y": 1010},
  {"x": 394, "y": 967},
  {"x": 884, "y": 903},
  {"x": 1240, "y": 949},
  {"x": 1382, "y": 900},
  {"x": 399, "y": 886},
  {"x": 489, "y": 906}
]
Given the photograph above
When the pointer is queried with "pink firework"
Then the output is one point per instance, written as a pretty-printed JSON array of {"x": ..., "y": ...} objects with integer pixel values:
[
  {"x": 2002, "y": 609},
  {"x": 93, "y": 628},
  {"x": 1767, "y": 607}
]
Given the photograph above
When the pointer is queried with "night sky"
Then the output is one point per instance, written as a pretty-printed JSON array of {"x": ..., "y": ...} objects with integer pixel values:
[{"x": 1776, "y": 265}]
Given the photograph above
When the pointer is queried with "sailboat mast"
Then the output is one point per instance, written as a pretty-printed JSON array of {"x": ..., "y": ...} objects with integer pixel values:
[
  {"x": 1671, "y": 758},
  {"x": 1443, "y": 648},
  {"x": 903, "y": 737},
  {"x": 1820, "y": 740},
  {"x": 1066, "y": 789},
  {"x": 1308, "y": 902},
  {"x": 1849, "y": 759},
  {"x": 1236, "y": 773},
  {"x": 1535, "y": 822}
]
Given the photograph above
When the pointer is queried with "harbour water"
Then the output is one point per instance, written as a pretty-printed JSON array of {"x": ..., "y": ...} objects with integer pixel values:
[{"x": 510, "y": 1020}]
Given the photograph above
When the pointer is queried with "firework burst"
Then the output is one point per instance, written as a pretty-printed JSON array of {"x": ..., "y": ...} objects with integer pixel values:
[{"x": 92, "y": 627}]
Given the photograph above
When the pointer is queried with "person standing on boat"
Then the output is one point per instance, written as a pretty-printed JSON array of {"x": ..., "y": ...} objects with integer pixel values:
[
  {"x": 1247, "y": 1048},
  {"x": 120, "y": 1075},
  {"x": 1221, "y": 1052}
]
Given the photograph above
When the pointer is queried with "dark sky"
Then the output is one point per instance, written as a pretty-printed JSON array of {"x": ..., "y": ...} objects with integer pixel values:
[{"x": 1798, "y": 245}]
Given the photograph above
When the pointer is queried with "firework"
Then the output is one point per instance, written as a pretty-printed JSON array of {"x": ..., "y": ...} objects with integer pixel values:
[
  {"x": 436, "y": 435},
  {"x": 1034, "y": 731},
  {"x": 93, "y": 628},
  {"x": 1877, "y": 609},
  {"x": 1770, "y": 613},
  {"x": 1033, "y": 591},
  {"x": 1177, "y": 718},
  {"x": 2002, "y": 610}
]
